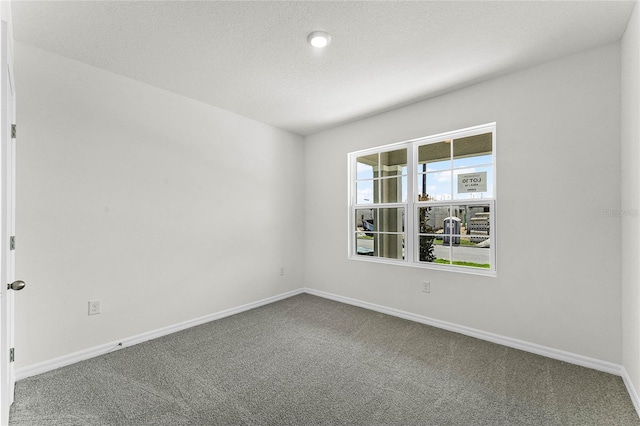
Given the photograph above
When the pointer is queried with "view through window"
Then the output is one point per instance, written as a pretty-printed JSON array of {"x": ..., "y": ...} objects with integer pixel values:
[{"x": 428, "y": 202}]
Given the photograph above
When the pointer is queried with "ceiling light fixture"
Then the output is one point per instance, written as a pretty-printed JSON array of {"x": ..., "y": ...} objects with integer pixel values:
[{"x": 319, "y": 39}]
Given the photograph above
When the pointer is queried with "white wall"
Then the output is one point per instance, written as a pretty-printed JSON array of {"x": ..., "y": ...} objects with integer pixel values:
[
  {"x": 162, "y": 207},
  {"x": 630, "y": 187},
  {"x": 5, "y": 15},
  {"x": 558, "y": 162}
]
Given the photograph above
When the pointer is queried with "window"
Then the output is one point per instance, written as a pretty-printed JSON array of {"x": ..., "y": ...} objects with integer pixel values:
[
  {"x": 429, "y": 202},
  {"x": 381, "y": 197}
]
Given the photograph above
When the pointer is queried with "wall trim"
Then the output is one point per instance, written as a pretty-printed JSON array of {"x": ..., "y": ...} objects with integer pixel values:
[
  {"x": 572, "y": 358},
  {"x": 63, "y": 361},
  {"x": 633, "y": 394}
]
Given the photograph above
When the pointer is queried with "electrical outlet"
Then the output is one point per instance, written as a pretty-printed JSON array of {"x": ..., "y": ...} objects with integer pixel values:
[
  {"x": 282, "y": 270},
  {"x": 94, "y": 307},
  {"x": 426, "y": 287}
]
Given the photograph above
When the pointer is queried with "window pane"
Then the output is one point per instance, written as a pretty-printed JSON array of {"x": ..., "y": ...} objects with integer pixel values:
[
  {"x": 394, "y": 163},
  {"x": 426, "y": 220},
  {"x": 434, "y": 186},
  {"x": 365, "y": 220},
  {"x": 472, "y": 146},
  {"x": 451, "y": 231},
  {"x": 367, "y": 167},
  {"x": 391, "y": 220},
  {"x": 478, "y": 224},
  {"x": 404, "y": 189},
  {"x": 471, "y": 255},
  {"x": 366, "y": 244},
  {"x": 431, "y": 219},
  {"x": 422, "y": 188},
  {"x": 365, "y": 193},
  {"x": 473, "y": 183},
  {"x": 474, "y": 221},
  {"x": 393, "y": 190},
  {"x": 391, "y": 246},
  {"x": 442, "y": 253},
  {"x": 481, "y": 160},
  {"x": 435, "y": 156},
  {"x": 426, "y": 248},
  {"x": 462, "y": 212}
]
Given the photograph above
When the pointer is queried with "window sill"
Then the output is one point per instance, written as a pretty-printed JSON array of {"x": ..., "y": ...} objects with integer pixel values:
[{"x": 433, "y": 266}]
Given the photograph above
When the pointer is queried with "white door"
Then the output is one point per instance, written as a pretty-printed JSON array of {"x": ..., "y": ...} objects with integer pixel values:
[{"x": 8, "y": 285}]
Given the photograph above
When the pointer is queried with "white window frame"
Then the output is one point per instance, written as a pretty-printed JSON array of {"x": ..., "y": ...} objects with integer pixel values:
[{"x": 411, "y": 206}]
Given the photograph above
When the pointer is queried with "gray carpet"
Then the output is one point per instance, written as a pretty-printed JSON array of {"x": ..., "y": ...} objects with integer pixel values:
[{"x": 311, "y": 361}]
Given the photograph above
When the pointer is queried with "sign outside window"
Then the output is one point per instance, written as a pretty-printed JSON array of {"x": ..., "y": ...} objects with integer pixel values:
[{"x": 472, "y": 182}]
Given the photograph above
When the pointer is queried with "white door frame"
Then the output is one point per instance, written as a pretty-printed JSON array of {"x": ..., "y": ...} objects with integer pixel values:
[{"x": 7, "y": 222}]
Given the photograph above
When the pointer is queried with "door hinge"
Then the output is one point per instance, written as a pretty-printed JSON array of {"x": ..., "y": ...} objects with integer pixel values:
[
  {"x": 12, "y": 355},
  {"x": 12, "y": 243},
  {"x": 13, "y": 131}
]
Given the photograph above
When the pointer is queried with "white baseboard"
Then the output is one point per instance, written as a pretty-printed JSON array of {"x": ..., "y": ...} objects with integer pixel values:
[
  {"x": 43, "y": 367},
  {"x": 548, "y": 352},
  {"x": 633, "y": 394}
]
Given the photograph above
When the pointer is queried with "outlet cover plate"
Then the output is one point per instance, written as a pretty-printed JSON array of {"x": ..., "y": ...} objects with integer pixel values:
[{"x": 94, "y": 307}]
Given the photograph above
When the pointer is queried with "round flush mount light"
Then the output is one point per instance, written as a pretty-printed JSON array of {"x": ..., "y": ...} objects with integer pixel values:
[{"x": 319, "y": 39}]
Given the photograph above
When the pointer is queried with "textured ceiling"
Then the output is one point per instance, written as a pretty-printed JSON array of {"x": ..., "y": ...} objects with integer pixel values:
[{"x": 252, "y": 58}]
